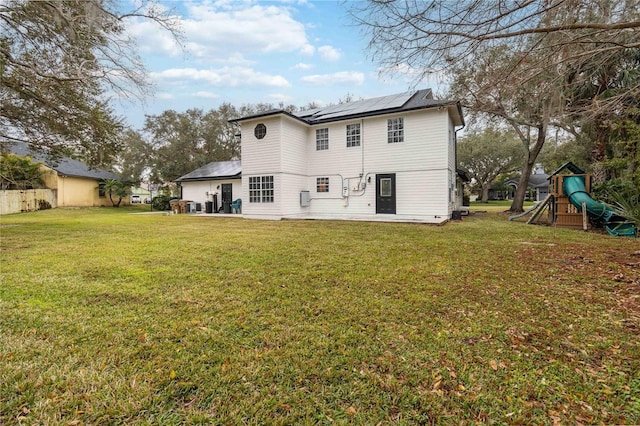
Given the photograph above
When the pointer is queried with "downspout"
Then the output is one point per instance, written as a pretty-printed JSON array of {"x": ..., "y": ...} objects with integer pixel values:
[
  {"x": 455, "y": 137},
  {"x": 362, "y": 150},
  {"x": 455, "y": 152}
]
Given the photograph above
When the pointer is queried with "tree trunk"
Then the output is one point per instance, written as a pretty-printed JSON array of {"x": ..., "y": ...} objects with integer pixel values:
[
  {"x": 517, "y": 206},
  {"x": 599, "y": 154},
  {"x": 485, "y": 193},
  {"x": 599, "y": 172}
]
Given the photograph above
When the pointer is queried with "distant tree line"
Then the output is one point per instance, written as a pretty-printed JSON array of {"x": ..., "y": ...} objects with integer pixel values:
[{"x": 172, "y": 144}]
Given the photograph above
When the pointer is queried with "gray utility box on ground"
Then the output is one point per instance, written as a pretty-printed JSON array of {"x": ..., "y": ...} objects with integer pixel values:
[{"x": 305, "y": 198}]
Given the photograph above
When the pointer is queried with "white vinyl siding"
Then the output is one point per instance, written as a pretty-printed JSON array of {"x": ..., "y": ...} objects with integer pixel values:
[
  {"x": 261, "y": 156},
  {"x": 422, "y": 193},
  {"x": 425, "y": 145},
  {"x": 296, "y": 137},
  {"x": 337, "y": 160},
  {"x": 289, "y": 195},
  {"x": 197, "y": 190},
  {"x": 422, "y": 163},
  {"x": 293, "y": 146}
]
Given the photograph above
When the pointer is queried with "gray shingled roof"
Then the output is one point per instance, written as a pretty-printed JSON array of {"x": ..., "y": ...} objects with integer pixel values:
[
  {"x": 539, "y": 180},
  {"x": 215, "y": 170},
  {"x": 64, "y": 166},
  {"x": 536, "y": 180},
  {"x": 400, "y": 102},
  {"x": 571, "y": 167}
]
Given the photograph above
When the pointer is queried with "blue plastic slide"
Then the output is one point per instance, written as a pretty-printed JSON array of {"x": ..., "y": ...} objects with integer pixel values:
[{"x": 574, "y": 188}]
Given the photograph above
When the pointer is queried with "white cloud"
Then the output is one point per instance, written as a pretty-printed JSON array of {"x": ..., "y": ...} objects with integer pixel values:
[
  {"x": 300, "y": 2},
  {"x": 164, "y": 95},
  {"x": 279, "y": 97},
  {"x": 329, "y": 53},
  {"x": 237, "y": 59},
  {"x": 152, "y": 39},
  {"x": 223, "y": 77},
  {"x": 303, "y": 66},
  {"x": 219, "y": 29},
  {"x": 348, "y": 77},
  {"x": 206, "y": 95},
  {"x": 307, "y": 50}
]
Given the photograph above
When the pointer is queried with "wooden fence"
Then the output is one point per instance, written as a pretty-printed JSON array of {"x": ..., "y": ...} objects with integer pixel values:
[{"x": 27, "y": 200}]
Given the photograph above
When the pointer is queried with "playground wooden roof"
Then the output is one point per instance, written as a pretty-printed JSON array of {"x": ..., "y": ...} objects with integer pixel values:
[{"x": 571, "y": 167}]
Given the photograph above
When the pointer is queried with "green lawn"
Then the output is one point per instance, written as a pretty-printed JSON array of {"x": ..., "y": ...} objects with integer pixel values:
[{"x": 108, "y": 317}]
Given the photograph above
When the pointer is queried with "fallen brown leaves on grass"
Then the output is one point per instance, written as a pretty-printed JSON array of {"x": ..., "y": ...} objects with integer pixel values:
[{"x": 184, "y": 319}]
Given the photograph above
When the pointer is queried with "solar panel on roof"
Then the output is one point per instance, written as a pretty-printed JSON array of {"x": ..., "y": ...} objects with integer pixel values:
[{"x": 358, "y": 107}]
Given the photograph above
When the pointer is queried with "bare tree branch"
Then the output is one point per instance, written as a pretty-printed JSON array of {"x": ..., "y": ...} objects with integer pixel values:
[{"x": 59, "y": 61}]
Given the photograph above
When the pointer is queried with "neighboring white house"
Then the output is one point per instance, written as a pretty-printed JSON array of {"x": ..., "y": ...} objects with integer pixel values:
[
  {"x": 218, "y": 182},
  {"x": 391, "y": 158}
]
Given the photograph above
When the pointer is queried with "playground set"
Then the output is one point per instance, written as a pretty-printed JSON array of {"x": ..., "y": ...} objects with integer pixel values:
[{"x": 569, "y": 205}]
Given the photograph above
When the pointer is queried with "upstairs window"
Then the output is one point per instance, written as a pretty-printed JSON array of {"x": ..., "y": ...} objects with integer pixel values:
[
  {"x": 322, "y": 184},
  {"x": 322, "y": 139},
  {"x": 395, "y": 130},
  {"x": 353, "y": 135}
]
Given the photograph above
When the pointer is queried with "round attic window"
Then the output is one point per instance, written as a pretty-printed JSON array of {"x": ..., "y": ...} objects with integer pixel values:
[{"x": 260, "y": 131}]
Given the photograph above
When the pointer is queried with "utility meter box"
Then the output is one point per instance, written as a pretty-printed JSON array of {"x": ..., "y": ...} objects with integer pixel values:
[{"x": 305, "y": 198}]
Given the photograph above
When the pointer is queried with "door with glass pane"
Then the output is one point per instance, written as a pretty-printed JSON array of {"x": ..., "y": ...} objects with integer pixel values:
[{"x": 386, "y": 193}]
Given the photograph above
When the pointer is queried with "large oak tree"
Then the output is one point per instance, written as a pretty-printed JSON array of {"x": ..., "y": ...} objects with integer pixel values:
[
  {"x": 60, "y": 62},
  {"x": 488, "y": 154}
]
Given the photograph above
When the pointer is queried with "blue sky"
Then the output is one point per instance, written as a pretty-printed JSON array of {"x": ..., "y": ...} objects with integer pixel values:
[{"x": 252, "y": 51}]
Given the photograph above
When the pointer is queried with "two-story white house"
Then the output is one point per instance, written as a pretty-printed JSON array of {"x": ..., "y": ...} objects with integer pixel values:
[{"x": 391, "y": 158}]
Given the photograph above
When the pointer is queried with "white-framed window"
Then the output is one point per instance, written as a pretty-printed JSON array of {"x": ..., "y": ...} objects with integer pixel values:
[
  {"x": 261, "y": 189},
  {"x": 353, "y": 135},
  {"x": 322, "y": 184},
  {"x": 322, "y": 139},
  {"x": 395, "y": 130}
]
